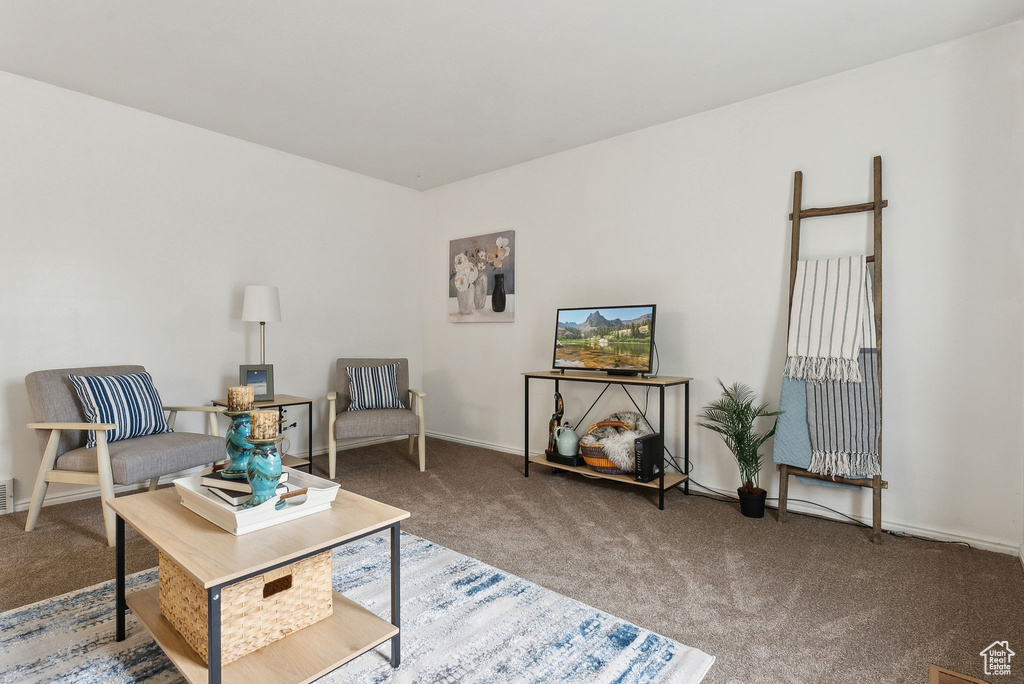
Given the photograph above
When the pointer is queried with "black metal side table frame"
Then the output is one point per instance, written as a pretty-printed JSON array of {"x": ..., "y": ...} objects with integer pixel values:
[{"x": 213, "y": 595}]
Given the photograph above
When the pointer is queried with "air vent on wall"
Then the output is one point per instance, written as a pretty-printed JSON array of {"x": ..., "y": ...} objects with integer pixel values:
[{"x": 6, "y": 496}]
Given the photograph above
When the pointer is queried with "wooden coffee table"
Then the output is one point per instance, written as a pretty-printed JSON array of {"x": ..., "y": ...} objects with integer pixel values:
[{"x": 214, "y": 558}]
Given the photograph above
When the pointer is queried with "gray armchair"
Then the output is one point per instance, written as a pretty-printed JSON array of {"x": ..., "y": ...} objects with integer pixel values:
[
  {"x": 345, "y": 424},
  {"x": 62, "y": 427}
]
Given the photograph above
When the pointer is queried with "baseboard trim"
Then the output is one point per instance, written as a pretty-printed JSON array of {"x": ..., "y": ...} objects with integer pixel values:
[
  {"x": 94, "y": 493},
  {"x": 892, "y": 525}
]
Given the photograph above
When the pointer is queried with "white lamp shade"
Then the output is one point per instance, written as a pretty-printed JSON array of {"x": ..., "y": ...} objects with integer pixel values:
[{"x": 262, "y": 303}]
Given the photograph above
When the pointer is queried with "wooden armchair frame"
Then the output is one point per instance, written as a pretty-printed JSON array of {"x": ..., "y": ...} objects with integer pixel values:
[
  {"x": 416, "y": 402},
  {"x": 103, "y": 477}
]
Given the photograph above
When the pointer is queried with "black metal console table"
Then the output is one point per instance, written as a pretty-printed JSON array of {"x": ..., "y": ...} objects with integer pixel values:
[{"x": 665, "y": 480}]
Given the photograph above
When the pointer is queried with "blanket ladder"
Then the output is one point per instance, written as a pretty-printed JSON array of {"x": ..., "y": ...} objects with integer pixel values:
[{"x": 877, "y": 484}]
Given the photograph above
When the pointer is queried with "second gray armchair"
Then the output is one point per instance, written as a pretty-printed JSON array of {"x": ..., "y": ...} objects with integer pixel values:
[{"x": 345, "y": 424}]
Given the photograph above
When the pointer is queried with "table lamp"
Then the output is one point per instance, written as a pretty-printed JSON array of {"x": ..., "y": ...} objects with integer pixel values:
[{"x": 262, "y": 304}]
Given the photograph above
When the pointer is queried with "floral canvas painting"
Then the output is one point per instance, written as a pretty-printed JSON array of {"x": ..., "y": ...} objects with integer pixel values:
[{"x": 482, "y": 278}]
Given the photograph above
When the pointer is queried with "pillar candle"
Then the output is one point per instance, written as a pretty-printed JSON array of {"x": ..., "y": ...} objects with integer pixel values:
[
  {"x": 264, "y": 424},
  {"x": 240, "y": 398}
]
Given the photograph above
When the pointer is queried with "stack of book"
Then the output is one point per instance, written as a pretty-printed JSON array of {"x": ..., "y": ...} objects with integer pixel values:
[{"x": 235, "y": 492}]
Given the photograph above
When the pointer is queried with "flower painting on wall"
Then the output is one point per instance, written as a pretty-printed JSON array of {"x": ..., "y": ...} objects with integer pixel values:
[{"x": 482, "y": 278}]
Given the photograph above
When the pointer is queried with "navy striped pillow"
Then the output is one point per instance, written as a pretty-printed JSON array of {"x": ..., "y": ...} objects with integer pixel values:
[
  {"x": 374, "y": 387},
  {"x": 129, "y": 401}
]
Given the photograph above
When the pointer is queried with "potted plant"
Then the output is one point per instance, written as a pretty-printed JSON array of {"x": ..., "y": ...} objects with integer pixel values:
[{"x": 733, "y": 418}]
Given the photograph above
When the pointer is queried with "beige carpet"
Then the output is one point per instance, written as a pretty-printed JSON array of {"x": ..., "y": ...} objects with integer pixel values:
[{"x": 808, "y": 601}]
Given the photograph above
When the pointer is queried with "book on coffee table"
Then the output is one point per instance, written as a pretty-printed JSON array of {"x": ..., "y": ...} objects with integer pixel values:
[{"x": 218, "y": 480}]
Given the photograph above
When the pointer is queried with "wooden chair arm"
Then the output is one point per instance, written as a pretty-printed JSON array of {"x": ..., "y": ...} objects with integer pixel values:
[
  {"x": 417, "y": 393},
  {"x": 201, "y": 409},
  {"x": 72, "y": 426},
  {"x": 332, "y": 396}
]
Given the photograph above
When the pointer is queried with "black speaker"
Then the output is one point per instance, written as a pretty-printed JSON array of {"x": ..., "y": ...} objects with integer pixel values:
[{"x": 649, "y": 457}]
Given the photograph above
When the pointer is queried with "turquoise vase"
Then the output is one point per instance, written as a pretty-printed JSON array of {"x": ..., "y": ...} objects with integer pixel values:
[
  {"x": 237, "y": 446},
  {"x": 263, "y": 471}
]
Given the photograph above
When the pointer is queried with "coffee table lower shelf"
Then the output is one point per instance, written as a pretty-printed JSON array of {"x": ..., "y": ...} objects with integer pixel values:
[{"x": 302, "y": 656}]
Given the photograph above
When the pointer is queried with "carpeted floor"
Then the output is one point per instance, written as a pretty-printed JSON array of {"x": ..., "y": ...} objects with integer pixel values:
[{"x": 758, "y": 595}]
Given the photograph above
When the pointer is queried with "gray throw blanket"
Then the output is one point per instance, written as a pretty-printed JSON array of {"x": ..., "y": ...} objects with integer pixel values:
[{"x": 843, "y": 420}]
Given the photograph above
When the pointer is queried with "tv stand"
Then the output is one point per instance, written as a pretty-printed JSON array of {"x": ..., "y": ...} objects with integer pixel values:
[{"x": 666, "y": 480}]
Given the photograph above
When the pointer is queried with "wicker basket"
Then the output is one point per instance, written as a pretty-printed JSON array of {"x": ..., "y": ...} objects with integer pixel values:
[
  {"x": 254, "y": 612},
  {"x": 593, "y": 454}
]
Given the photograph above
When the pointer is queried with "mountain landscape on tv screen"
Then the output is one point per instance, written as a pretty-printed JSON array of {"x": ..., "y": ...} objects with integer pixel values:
[{"x": 600, "y": 342}]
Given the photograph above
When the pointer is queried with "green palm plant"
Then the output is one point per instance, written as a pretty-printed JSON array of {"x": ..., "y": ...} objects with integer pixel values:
[{"x": 732, "y": 416}]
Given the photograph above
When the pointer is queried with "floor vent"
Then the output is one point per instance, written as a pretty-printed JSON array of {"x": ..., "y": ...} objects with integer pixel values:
[
  {"x": 6, "y": 496},
  {"x": 940, "y": 675}
]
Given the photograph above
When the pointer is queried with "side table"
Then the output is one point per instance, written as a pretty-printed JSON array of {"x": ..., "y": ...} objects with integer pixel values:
[{"x": 279, "y": 402}]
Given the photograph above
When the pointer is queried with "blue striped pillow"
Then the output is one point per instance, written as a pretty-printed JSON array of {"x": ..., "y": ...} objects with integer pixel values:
[
  {"x": 129, "y": 401},
  {"x": 374, "y": 387}
]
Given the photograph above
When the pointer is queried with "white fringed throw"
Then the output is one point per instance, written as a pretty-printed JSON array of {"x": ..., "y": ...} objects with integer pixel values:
[{"x": 831, "y": 311}]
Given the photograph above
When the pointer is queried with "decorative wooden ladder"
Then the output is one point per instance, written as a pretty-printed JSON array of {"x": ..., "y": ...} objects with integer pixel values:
[{"x": 876, "y": 483}]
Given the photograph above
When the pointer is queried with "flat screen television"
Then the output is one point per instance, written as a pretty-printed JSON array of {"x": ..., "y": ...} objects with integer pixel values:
[{"x": 616, "y": 339}]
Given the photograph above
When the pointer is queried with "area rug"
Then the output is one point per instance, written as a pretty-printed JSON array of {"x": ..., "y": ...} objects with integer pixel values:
[{"x": 462, "y": 621}]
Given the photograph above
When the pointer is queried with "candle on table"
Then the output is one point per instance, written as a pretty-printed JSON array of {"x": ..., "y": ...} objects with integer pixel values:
[
  {"x": 240, "y": 398},
  {"x": 264, "y": 424}
]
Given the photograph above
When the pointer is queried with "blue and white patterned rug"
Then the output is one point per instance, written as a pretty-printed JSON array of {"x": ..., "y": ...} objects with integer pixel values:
[{"x": 462, "y": 621}]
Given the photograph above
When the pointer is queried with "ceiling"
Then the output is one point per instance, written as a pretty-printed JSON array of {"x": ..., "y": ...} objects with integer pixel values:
[{"x": 424, "y": 93}]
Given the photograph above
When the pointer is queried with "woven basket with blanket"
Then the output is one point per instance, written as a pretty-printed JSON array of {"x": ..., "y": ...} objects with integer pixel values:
[{"x": 608, "y": 445}]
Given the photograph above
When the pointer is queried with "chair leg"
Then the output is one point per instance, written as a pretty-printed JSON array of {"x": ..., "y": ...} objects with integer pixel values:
[
  {"x": 412, "y": 443},
  {"x": 153, "y": 483},
  {"x": 39, "y": 492},
  {"x": 332, "y": 449},
  {"x": 106, "y": 485},
  {"x": 422, "y": 435}
]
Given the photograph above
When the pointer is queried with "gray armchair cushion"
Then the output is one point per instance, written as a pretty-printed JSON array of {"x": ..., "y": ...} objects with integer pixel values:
[
  {"x": 344, "y": 399},
  {"x": 53, "y": 400},
  {"x": 376, "y": 423},
  {"x": 141, "y": 458}
]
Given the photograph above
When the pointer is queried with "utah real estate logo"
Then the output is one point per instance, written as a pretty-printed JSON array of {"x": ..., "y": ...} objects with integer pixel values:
[{"x": 997, "y": 656}]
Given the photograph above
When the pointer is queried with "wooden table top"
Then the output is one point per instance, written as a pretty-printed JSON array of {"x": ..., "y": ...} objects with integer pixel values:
[
  {"x": 279, "y": 400},
  {"x": 596, "y": 376},
  {"x": 213, "y": 556}
]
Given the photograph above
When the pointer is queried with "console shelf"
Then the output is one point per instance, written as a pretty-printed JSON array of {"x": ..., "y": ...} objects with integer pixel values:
[{"x": 666, "y": 480}]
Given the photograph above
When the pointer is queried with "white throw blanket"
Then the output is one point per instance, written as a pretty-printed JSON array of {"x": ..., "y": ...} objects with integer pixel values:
[{"x": 831, "y": 320}]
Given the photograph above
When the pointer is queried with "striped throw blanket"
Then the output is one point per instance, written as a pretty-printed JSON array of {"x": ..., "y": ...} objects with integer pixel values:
[
  {"x": 828, "y": 319},
  {"x": 843, "y": 421}
]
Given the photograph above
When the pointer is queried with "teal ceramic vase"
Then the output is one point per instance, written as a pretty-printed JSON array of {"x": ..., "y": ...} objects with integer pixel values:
[
  {"x": 237, "y": 446},
  {"x": 263, "y": 471}
]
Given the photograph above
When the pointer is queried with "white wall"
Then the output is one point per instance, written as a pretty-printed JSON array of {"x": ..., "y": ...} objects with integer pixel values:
[
  {"x": 128, "y": 238},
  {"x": 692, "y": 215}
]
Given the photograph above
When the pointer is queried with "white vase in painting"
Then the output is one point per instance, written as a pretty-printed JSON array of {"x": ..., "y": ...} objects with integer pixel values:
[
  {"x": 480, "y": 290},
  {"x": 465, "y": 299}
]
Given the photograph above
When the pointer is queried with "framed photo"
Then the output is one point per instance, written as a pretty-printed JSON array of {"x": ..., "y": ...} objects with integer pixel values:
[
  {"x": 260, "y": 378},
  {"x": 482, "y": 278}
]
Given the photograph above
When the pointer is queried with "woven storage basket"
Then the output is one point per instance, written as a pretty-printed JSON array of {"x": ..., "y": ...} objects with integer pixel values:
[
  {"x": 593, "y": 454},
  {"x": 254, "y": 612}
]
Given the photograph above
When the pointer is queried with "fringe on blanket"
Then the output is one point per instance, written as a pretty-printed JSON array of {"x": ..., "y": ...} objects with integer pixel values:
[
  {"x": 844, "y": 464},
  {"x": 819, "y": 369}
]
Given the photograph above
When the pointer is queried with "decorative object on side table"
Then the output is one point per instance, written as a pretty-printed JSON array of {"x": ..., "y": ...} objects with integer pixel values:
[
  {"x": 481, "y": 278},
  {"x": 609, "y": 446},
  {"x": 260, "y": 377},
  {"x": 264, "y": 469},
  {"x": 556, "y": 419},
  {"x": 240, "y": 401},
  {"x": 732, "y": 416},
  {"x": 568, "y": 440}
]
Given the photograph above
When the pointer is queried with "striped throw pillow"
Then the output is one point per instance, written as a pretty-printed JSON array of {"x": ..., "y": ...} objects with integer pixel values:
[
  {"x": 374, "y": 387},
  {"x": 129, "y": 401}
]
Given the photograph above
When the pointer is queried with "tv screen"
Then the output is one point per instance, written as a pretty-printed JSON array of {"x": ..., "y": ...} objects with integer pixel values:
[{"x": 612, "y": 338}]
